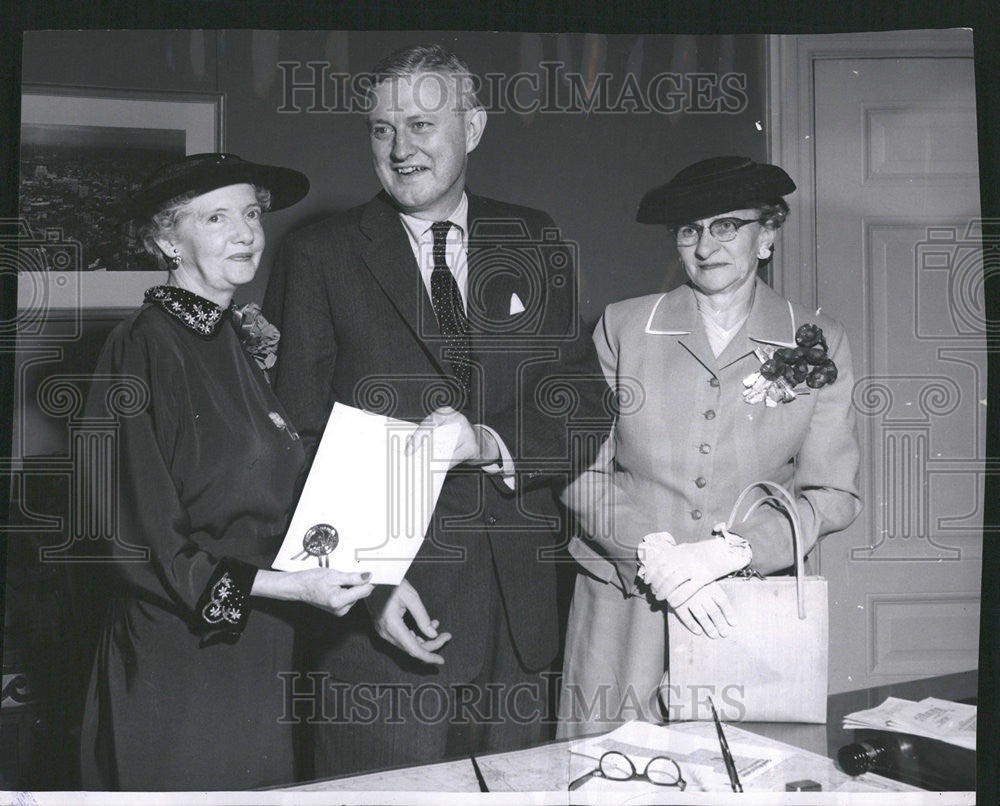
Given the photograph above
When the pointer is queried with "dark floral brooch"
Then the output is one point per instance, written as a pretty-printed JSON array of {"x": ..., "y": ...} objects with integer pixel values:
[
  {"x": 259, "y": 337},
  {"x": 784, "y": 368}
]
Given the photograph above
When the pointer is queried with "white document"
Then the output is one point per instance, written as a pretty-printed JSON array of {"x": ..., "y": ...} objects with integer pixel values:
[
  {"x": 698, "y": 757},
  {"x": 366, "y": 505}
]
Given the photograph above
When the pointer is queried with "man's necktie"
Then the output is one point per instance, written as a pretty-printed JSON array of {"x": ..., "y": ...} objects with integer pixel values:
[{"x": 447, "y": 302}]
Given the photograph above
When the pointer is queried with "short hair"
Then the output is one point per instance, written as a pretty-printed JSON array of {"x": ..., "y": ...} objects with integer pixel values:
[
  {"x": 416, "y": 59},
  {"x": 165, "y": 219},
  {"x": 772, "y": 213}
]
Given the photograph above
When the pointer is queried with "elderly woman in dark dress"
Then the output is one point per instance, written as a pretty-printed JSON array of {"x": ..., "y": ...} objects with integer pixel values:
[
  {"x": 188, "y": 691},
  {"x": 724, "y": 383}
]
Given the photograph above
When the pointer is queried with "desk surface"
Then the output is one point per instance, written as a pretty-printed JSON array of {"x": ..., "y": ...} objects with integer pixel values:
[{"x": 550, "y": 767}]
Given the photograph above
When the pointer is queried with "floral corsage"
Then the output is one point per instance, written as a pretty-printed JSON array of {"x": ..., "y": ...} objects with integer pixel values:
[
  {"x": 259, "y": 337},
  {"x": 784, "y": 368}
]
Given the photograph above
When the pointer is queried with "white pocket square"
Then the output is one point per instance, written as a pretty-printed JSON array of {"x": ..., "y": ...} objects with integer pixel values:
[{"x": 516, "y": 306}]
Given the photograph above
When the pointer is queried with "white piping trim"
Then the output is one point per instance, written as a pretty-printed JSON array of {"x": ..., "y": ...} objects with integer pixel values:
[
  {"x": 792, "y": 343},
  {"x": 649, "y": 323}
]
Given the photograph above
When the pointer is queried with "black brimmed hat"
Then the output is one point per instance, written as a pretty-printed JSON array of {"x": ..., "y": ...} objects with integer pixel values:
[
  {"x": 713, "y": 186},
  {"x": 201, "y": 173}
]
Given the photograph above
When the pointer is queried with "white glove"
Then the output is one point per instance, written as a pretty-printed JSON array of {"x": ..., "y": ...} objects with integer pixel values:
[
  {"x": 676, "y": 572},
  {"x": 708, "y": 612}
]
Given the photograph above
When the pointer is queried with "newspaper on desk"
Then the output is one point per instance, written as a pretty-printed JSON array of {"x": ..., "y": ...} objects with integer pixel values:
[
  {"x": 951, "y": 722},
  {"x": 367, "y": 502}
]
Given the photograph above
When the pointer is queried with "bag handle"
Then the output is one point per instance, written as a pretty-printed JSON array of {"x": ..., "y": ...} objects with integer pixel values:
[{"x": 783, "y": 500}]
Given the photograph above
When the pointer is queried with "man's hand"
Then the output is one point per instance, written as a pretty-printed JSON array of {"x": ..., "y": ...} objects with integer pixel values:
[
  {"x": 474, "y": 446},
  {"x": 709, "y": 611},
  {"x": 392, "y": 627}
]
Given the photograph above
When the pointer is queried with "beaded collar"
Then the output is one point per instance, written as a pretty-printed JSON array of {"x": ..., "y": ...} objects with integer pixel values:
[{"x": 201, "y": 315}]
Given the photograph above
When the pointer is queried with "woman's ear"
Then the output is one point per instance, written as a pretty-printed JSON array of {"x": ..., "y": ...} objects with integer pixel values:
[
  {"x": 765, "y": 242},
  {"x": 166, "y": 246}
]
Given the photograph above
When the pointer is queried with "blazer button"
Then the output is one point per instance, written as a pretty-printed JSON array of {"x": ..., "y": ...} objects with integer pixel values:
[
  {"x": 696, "y": 514},
  {"x": 701, "y": 481},
  {"x": 710, "y": 414},
  {"x": 491, "y": 520},
  {"x": 705, "y": 447},
  {"x": 713, "y": 382}
]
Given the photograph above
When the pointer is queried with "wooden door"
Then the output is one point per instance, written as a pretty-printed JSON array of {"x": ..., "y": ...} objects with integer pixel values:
[{"x": 888, "y": 242}]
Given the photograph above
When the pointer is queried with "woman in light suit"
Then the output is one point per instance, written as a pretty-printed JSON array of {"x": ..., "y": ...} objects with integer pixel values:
[{"x": 720, "y": 383}]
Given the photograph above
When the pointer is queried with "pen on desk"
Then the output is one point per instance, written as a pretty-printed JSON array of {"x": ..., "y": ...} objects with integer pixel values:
[
  {"x": 479, "y": 775},
  {"x": 727, "y": 756}
]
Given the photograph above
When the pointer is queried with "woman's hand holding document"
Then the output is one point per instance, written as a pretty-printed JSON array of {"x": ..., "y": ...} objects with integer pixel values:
[{"x": 369, "y": 498}]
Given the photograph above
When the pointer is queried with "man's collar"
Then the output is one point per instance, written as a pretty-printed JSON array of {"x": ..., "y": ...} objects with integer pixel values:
[
  {"x": 418, "y": 227},
  {"x": 193, "y": 311},
  {"x": 771, "y": 319}
]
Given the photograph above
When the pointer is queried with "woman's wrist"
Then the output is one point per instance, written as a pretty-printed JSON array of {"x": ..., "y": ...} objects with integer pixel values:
[{"x": 272, "y": 584}]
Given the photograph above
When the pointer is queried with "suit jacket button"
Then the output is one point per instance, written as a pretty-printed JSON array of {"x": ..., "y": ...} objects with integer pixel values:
[
  {"x": 491, "y": 520},
  {"x": 705, "y": 447},
  {"x": 713, "y": 382},
  {"x": 696, "y": 514},
  {"x": 710, "y": 414},
  {"x": 701, "y": 481}
]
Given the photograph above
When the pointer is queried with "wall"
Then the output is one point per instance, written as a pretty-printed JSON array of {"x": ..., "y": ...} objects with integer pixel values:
[{"x": 588, "y": 170}]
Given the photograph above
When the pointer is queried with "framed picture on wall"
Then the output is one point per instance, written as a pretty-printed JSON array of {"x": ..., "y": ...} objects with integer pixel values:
[{"x": 83, "y": 153}]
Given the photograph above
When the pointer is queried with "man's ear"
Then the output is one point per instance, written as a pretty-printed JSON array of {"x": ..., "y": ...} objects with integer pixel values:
[{"x": 475, "y": 125}]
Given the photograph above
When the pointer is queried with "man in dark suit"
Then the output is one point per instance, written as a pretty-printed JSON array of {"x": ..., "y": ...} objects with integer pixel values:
[{"x": 439, "y": 307}]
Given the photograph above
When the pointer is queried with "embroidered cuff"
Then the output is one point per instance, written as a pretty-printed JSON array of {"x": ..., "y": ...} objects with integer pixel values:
[{"x": 222, "y": 610}]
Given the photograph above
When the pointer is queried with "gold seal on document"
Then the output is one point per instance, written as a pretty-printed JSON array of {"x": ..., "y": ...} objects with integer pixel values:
[{"x": 320, "y": 540}]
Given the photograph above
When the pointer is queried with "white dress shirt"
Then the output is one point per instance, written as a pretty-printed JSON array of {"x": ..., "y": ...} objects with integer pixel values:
[{"x": 418, "y": 230}]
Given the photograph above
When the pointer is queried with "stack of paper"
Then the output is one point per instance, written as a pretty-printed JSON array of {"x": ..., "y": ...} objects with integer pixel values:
[{"x": 951, "y": 722}]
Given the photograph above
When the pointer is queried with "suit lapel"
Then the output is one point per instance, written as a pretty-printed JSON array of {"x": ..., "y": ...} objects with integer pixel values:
[
  {"x": 771, "y": 322},
  {"x": 389, "y": 258},
  {"x": 676, "y": 316},
  {"x": 481, "y": 307}
]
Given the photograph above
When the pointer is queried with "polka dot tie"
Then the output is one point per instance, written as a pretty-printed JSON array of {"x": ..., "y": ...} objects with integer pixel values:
[{"x": 447, "y": 302}]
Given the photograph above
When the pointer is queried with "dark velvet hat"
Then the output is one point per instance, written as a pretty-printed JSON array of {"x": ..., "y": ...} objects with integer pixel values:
[
  {"x": 713, "y": 186},
  {"x": 201, "y": 173}
]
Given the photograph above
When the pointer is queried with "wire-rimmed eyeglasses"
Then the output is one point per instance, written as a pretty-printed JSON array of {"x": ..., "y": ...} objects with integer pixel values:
[
  {"x": 616, "y": 766},
  {"x": 722, "y": 229}
]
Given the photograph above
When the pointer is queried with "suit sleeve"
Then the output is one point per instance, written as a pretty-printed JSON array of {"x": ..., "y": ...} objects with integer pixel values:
[
  {"x": 826, "y": 475},
  {"x": 556, "y": 423},
  {"x": 610, "y": 521},
  {"x": 209, "y": 592},
  {"x": 297, "y": 302}
]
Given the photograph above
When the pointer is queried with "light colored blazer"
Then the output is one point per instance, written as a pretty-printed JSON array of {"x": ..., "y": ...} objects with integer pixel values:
[{"x": 686, "y": 442}]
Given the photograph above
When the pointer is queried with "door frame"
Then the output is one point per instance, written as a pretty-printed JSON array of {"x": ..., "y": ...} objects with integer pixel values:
[{"x": 790, "y": 67}]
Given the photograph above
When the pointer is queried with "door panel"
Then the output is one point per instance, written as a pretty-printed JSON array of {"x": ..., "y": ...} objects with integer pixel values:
[{"x": 898, "y": 261}]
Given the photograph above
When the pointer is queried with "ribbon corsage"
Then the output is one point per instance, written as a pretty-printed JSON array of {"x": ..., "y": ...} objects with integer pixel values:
[
  {"x": 258, "y": 336},
  {"x": 782, "y": 369}
]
